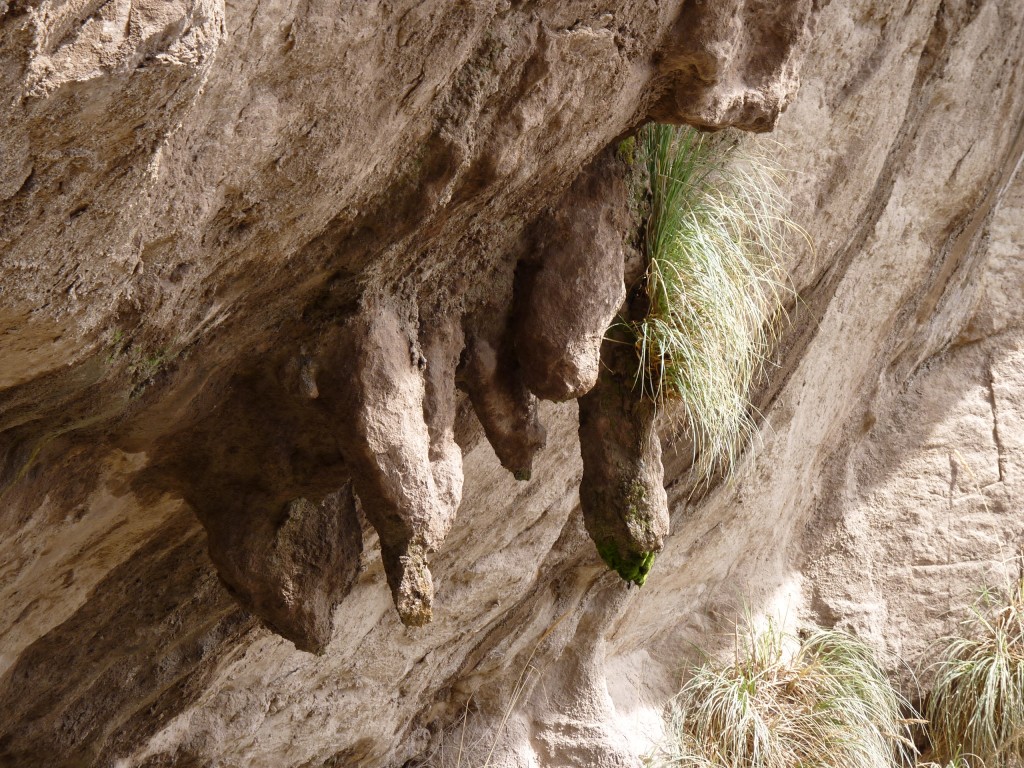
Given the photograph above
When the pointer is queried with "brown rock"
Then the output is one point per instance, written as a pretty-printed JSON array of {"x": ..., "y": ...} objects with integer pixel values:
[
  {"x": 571, "y": 286},
  {"x": 192, "y": 195},
  {"x": 293, "y": 569},
  {"x": 493, "y": 379},
  {"x": 622, "y": 493},
  {"x": 394, "y": 422}
]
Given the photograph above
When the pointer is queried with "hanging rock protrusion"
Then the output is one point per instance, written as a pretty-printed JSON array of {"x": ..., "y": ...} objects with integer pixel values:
[
  {"x": 491, "y": 376},
  {"x": 569, "y": 290},
  {"x": 625, "y": 507},
  {"x": 406, "y": 473},
  {"x": 294, "y": 570},
  {"x": 264, "y": 476},
  {"x": 622, "y": 493},
  {"x": 441, "y": 343}
]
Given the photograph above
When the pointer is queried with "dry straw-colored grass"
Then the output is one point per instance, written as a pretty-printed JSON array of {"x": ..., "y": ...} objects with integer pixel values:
[
  {"x": 976, "y": 707},
  {"x": 715, "y": 236},
  {"x": 826, "y": 705}
]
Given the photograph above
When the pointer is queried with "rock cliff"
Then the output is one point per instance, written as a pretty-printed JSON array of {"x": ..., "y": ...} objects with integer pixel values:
[{"x": 296, "y": 302}]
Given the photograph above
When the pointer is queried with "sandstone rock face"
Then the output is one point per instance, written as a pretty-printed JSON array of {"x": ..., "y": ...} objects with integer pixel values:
[{"x": 211, "y": 212}]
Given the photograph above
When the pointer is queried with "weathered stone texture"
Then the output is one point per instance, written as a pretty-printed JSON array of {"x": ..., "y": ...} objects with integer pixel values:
[{"x": 200, "y": 203}]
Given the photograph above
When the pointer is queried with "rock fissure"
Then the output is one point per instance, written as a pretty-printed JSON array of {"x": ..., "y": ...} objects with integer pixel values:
[{"x": 1001, "y": 453}]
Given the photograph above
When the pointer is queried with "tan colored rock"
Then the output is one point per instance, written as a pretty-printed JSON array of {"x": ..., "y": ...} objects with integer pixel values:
[
  {"x": 571, "y": 286},
  {"x": 493, "y": 379},
  {"x": 394, "y": 406},
  {"x": 239, "y": 202},
  {"x": 711, "y": 81}
]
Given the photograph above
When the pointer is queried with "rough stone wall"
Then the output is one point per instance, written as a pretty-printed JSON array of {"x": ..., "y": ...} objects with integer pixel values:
[{"x": 194, "y": 194}]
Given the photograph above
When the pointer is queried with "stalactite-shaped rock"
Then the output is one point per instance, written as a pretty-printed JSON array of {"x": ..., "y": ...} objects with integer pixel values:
[
  {"x": 625, "y": 507},
  {"x": 570, "y": 289},
  {"x": 394, "y": 405},
  {"x": 441, "y": 341},
  {"x": 265, "y": 478},
  {"x": 293, "y": 570},
  {"x": 491, "y": 376}
]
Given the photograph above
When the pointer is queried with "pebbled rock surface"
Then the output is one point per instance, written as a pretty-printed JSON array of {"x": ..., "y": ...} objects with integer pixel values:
[{"x": 199, "y": 201}]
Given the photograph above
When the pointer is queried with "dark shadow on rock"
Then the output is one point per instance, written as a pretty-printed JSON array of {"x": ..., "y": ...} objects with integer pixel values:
[{"x": 141, "y": 649}]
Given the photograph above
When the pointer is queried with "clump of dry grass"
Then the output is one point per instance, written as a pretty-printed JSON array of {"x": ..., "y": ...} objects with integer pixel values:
[
  {"x": 714, "y": 237},
  {"x": 976, "y": 706},
  {"x": 828, "y": 704}
]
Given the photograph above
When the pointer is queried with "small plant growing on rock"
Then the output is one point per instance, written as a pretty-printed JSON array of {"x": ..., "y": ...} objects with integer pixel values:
[
  {"x": 714, "y": 235},
  {"x": 826, "y": 704},
  {"x": 976, "y": 706}
]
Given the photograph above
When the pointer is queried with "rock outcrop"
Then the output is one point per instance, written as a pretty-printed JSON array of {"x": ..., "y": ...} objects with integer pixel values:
[
  {"x": 282, "y": 284},
  {"x": 572, "y": 285}
]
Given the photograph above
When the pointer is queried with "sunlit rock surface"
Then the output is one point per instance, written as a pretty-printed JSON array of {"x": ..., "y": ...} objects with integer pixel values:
[{"x": 210, "y": 211}]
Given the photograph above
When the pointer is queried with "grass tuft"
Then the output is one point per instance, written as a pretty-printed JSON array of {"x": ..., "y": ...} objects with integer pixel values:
[
  {"x": 827, "y": 704},
  {"x": 976, "y": 706},
  {"x": 714, "y": 237}
]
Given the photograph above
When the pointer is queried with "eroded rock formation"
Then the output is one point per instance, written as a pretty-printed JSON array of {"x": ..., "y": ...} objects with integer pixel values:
[
  {"x": 571, "y": 285},
  {"x": 392, "y": 396},
  {"x": 254, "y": 252},
  {"x": 622, "y": 490},
  {"x": 491, "y": 376}
]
